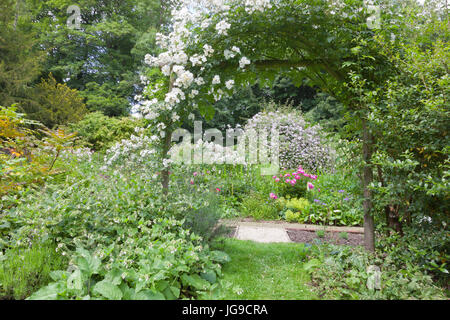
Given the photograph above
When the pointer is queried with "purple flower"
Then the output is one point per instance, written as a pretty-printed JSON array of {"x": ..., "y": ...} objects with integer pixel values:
[
  {"x": 341, "y": 191},
  {"x": 346, "y": 199},
  {"x": 317, "y": 200}
]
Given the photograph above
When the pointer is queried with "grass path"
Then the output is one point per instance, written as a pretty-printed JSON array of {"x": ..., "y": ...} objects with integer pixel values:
[{"x": 265, "y": 271}]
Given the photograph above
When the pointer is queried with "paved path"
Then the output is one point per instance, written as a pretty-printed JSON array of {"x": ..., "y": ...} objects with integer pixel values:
[
  {"x": 275, "y": 231},
  {"x": 262, "y": 234}
]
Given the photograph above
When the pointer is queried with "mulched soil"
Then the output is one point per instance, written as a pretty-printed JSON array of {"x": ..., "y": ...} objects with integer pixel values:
[
  {"x": 230, "y": 232},
  {"x": 302, "y": 236}
]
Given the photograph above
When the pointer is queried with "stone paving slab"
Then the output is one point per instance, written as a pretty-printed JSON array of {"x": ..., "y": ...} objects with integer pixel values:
[
  {"x": 286, "y": 225},
  {"x": 262, "y": 234}
]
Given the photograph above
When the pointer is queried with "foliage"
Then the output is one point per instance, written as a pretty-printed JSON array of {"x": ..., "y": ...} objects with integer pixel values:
[
  {"x": 121, "y": 236},
  {"x": 55, "y": 104},
  {"x": 260, "y": 207},
  {"x": 102, "y": 58},
  {"x": 17, "y": 166},
  {"x": 297, "y": 209},
  {"x": 340, "y": 272},
  {"x": 410, "y": 123},
  {"x": 165, "y": 262},
  {"x": 425, "y": 246},
  {"x": 20, "y": 62},
  {"x": 301, "y": 144},
  {"x": 101, "y": 132},
  {"x": 25, "y": 160},
  {"x": 25, "y": 270}
]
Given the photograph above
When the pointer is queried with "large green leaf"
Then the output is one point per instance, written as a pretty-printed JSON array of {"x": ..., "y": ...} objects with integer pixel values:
[
  {"x": 209, "y": 276},
  {"x": 88, "y": 263},
  {"x": 50, "y": 292},
  {"x": 149, "y": 295},
  {"x": 108, "y": 290},
  {"x": 195, "y": 281},
  {"x": 219, "y": 256},
  {"x": 75, "y": 280}
]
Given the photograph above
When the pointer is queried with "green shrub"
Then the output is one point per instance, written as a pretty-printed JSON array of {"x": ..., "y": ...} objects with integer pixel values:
[
  {"x": 203, "y": 221},
  {"x": 300, "y": 205},
  {"x": 260, "y": 207},
  {"x": 101, "y": 132},
  {"x": 23, "y": 271},
  {"x": 292, "y": 216},
  {"x": 159, "y": 260},
  {"x": 341, "y": 272},
  {"x": 125, "y": 238}
]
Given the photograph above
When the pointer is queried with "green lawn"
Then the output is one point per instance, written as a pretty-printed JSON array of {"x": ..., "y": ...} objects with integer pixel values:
[{"x": 265, "y": 271}]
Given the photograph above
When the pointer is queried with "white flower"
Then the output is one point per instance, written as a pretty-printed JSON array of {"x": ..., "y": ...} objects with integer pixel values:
[
  {"x": 166, "y": 70},
  {"x": 151, "y": 115},
  {"x": 185, "y": 79},
  {"x": 191, "y": 115},
  {"x": 229, "y": 54},
  {"x": 229, "y": 84},
  {"x": 222, "y": 27},
  {"x": 243, "y": 62},
  {"x": 175, "y": 117},
  {"x": 149, "y": 59},
  {"x": 174, "y": 96},
  {"x": 208, "y": 50},
  {"x": 236, "y": 49},
  {"x": 193, "y": 93},
  {"x": 205, "y": 23},
  {"x": 180, "y": 58},
  {"x": 197, "y": 60},
  {"x": 178, "y": 69},
  {"x": 216, "y": 79},
  {"x": 199, "y": 81}
]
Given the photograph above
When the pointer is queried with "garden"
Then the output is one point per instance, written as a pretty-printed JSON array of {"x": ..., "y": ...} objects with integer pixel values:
[{"x": 132, "y": 149}]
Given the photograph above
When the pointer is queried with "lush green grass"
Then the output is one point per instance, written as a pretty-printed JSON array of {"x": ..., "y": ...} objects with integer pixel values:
[
  {"x": 23, "y": 271},
  {"x": 263, "y": 271}
]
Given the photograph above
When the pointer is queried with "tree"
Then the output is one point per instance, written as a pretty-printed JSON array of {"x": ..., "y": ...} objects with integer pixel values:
[
  {"x": 20, "y": 62},
  {"x": 103, "y": 58},
  {"x": 55, "y": 104}
]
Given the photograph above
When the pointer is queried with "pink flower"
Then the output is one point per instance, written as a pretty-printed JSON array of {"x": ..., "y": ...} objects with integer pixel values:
[
  {"x": 195, "y": 174},
  {"x": 217, "y": 190},
  {"x": 313, "y": 177},
  {"x": 192, "y": 181},
  {"x": 310, "y": 186},
  {"x": 288, "y": 181},
  {"x": 277, "y": 180},
  {"x": 274, "y": 177},
  {"x": 297, "y": 177},
  {"x": 287, "y": 175},
  {"x": 273, "y": 196},
  {"x": 293, "y": 182}
]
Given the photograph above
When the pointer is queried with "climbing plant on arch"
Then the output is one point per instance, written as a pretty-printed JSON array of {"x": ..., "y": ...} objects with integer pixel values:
[{"x": 217, "y": 45}]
